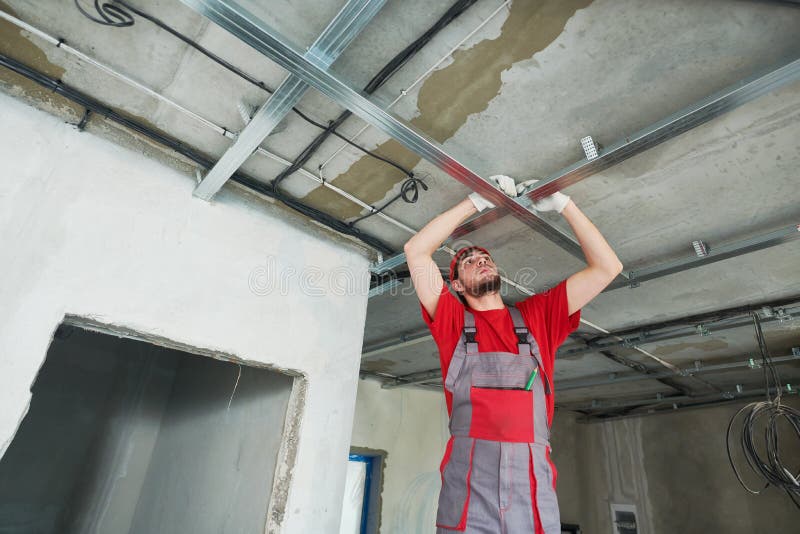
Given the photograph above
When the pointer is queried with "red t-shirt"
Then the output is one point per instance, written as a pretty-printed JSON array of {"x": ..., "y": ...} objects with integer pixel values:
[{"x": 546, "y": 315}]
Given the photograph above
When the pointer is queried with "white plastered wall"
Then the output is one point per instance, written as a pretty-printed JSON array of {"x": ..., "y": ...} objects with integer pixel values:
[{"x": 95, "y": 230}]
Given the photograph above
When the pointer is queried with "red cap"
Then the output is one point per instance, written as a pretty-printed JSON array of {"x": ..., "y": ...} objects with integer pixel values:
[{"x": 460, "y": 254}]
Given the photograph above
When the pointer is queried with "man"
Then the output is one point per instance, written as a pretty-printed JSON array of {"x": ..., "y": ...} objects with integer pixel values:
[{"x": 497, "y": 364}]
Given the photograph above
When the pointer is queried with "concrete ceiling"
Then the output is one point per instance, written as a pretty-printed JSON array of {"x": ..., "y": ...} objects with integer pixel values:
[{"x": 514, "y": 98}]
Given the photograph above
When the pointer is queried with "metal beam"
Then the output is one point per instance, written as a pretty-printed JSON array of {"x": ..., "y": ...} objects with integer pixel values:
[
  {"x": 414, "y": 379},
  {"x": 715, "y": 254},
  {"x": 341, "y": 31},
  {"x": 258, "y": 34},
  {"x": 611, "y": 379},
  {"x": 614, "y": 379},
  {"x": 433, "y": 374},
  {"x": 387, "y": 265},
  {"x": 635, "y": 277},
  {"x": 678, "y": 402},
  {"x": 646, "y": 138},
  {"x": 394, "y": 344},
  {"x": 646, "y": 338},
  {"x": 689, "y": 117},
  {"x": 639, "y": 335},
  {"x": 384, "y": 287},
  {"x": 710, "y": 401}
]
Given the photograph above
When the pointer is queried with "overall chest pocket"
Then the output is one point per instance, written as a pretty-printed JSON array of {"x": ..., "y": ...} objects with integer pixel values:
[{"x": 502, "y": 410}]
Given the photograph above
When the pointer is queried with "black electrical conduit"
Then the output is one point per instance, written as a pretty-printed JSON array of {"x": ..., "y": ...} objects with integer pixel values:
[
  {"x": 249, "y": 182},
  {"x": 116, "y": 16},
  {"x": 395, "y": 64}
]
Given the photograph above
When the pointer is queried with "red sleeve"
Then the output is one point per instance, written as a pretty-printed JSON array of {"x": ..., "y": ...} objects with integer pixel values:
[
  {"x": 446, "y": 327},
  {"x": 547, "y": 314}
]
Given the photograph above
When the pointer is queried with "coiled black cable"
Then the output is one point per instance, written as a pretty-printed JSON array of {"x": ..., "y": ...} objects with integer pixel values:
[
  {"x": 110, "y": 15},
  {"x": 766, "y": 461},
  {"x": 409, "y": 192},
  {"x": 116, "y": 16},
  {"x": 376, "y": 82}
]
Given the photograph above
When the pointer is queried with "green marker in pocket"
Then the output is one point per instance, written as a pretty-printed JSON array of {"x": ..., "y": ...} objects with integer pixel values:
[{"x": 531, "y": 378}]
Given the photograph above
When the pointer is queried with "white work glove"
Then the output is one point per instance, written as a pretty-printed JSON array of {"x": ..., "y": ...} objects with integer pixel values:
[
  {"x": 480, "y": 202},
  {"x": 506, "y": 184},
  {"x": 555, "y": 202}
]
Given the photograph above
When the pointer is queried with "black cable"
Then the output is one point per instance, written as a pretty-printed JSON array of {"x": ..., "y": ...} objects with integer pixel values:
[
  {"x": 397, "y": 62},
  {"x": 108, "y": 10},
  {"x": 84, "y": 120},
  {"x": 90, "y": 103},
  {"x": 377, "y": 81},
  {"x": 110, "y": 15},
  {"x": 206, "y": 52},
  {"x": 765, "y": 461},
  {"x": 351, "y": 143},
  {"x": 409, "y": 192}
]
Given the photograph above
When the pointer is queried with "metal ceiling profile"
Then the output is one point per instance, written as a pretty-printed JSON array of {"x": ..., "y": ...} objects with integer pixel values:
[
  {"x": 607, "y": 410},
  {"x": 680, "y": 122},
  {"x": 635, "y": 277},
  {"x": 435, "y": 376},
  {"x": 689, "y": 371},
  {"x": 689, "y": 117},
  {"x": 713, "y": 255},
  {"x": 716, "y": 321},
  {"x": 341, "y": 31},
  {"x": 256, "y": 33}
]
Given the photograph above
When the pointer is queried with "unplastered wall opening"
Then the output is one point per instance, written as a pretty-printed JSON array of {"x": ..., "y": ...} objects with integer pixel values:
[{"x": 125, "y": 436}]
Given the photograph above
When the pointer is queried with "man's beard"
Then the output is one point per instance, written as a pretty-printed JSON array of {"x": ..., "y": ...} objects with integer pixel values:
[{"x": 492, "y": 285}]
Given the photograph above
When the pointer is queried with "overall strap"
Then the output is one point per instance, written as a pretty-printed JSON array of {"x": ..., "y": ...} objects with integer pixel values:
[
  {"x": 471, "y": 344},
  {"x": 467, "y": 344},
  {"x": 525, "y": 342}
]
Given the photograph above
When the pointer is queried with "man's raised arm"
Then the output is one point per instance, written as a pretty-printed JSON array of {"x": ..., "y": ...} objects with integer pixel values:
[
  {"x": 419, "y": 250},
  {"x": 603, "y": 267}
]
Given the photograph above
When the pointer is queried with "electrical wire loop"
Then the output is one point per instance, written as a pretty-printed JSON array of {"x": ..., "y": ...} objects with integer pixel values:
[
  {"x": 120, "y": 16},
  {"x": 761, "y": 420},
  {"x": 107, "y": 10},
  {"x": 110, "y": 15},
  {"x": 409, "y": 192}
]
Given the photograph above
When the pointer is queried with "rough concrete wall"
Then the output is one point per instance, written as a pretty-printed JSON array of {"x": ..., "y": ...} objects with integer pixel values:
[
  {"x": 47, "y": 476},
  {"x": 97, "y": 231},
  {"x": 113, "y": 472},
  {"x": 411, "y": 426},
  {"x": 141, "y": 432},
  {"x": 673, "y": 467},
  {"x": 221, "y": 483}
]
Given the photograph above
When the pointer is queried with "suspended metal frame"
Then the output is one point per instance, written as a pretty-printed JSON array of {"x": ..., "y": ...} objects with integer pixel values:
[
  {"x": 434, "y": 377},
  {"x": 690, "y": 117},
  {"x": 341, "y": 31},
  {"x": 265, "y": 39},
  {"x": 716, "y": 320},
  {"x": 715, "y": 254},
  {"x": 258, "y": 34}
]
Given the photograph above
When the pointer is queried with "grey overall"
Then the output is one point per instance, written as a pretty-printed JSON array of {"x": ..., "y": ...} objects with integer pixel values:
[{"x": 499, "y": 452}]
